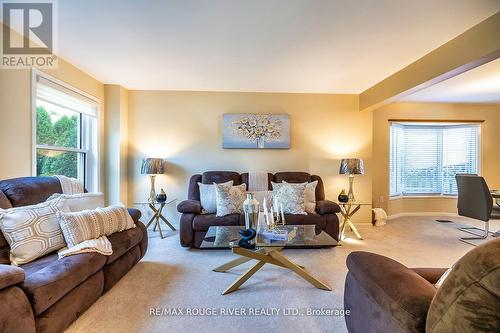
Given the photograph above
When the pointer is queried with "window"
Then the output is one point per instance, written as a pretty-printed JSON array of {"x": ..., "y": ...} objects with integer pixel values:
[
  {"x": 65, "y": 132},
  {"x": 424, "y": 158}
]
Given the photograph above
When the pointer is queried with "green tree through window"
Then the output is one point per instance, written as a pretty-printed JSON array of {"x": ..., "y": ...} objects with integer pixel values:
[{"x": 62, "y": 132}]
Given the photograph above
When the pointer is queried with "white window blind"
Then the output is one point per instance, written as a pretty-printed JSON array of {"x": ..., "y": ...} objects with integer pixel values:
[
  {"x": 424, "y": 158},
  {"x": 65, "y": 98}
]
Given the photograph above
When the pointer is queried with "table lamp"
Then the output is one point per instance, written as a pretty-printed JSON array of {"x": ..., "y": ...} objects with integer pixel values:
[
  {"x": 152, "y": 167},
  {"x": 351, "y": 167}
]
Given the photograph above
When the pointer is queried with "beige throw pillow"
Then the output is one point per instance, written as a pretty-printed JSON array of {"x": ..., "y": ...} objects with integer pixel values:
[
  {"x": 291, "y": 196},
  {"x": 80, "y": 201},
  {"x": 91, "y": 224},
  {"x": 230, "y": 199},
  {"x": 310, "y": 196},
  {"x": 32, "y": 231},
  {"x": 208, "y": 198}
]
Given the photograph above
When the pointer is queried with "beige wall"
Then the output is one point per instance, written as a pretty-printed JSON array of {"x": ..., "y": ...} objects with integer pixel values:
[
  {"x": 16, "y": 115},
  {"x": 490, "y": 158},
  {"x": 185, "y": 128},
  {"x": 116, "y": 143}
]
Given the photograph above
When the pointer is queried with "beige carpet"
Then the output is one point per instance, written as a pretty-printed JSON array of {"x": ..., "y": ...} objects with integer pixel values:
[{"x": 174, "y": 277}]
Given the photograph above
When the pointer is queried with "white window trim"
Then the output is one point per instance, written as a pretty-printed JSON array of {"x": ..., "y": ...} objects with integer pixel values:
[
  {"x": 434, "y": 196},
  {"x": 34, "y": 73}
]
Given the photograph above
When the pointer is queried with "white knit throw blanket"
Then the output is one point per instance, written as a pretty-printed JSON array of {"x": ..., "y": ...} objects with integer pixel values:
[
  {"x": 257, "y": 181},
  {"x": 70, "y": 185},
  {"x": 100, "y": 245}
]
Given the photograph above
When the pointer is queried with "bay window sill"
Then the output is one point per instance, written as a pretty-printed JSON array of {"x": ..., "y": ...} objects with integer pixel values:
[{"x": 398, "y": 197}]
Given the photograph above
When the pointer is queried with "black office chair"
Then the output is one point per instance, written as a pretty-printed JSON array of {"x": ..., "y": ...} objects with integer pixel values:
[{"x": 475, "y": 201}]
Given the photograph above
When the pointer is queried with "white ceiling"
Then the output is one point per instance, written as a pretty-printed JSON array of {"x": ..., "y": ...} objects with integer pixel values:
[
  {"x": 321, "y": 46},
  {"x": 479, "y": 85}
]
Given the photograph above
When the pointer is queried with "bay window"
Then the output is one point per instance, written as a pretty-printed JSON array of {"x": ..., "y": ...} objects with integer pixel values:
[{"x": 425, "y": 157}]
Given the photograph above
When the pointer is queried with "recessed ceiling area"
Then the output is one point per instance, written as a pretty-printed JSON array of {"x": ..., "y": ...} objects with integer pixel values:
[
  {"x": 478, "y": 85},
  {"x": 320, "y": 46}
]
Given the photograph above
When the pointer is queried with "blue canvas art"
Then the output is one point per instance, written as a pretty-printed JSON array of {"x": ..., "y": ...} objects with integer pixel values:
[{"x": 255, "y": 131}]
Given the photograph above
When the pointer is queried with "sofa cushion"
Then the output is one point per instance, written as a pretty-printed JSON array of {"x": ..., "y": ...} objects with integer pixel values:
[
  {"x": 16, "y": 314},
  {"x": 245, "y": 179},
  {"x": 189, "y": 206},
  {"x": 218, "y": 177},
  {"x": 26, "y": 191},
  {"x": 48, "y": 279},
  {"x": 4, "y": 246},
  {"x": 203, "y": 222},
  {"x": 10, "y": 275},
  {"x": 122, "y": 242},
  {"x": 135, "y": 214},
  {"x": 316, "y": 219},
  {"x": 469, "y": 299},
  {"x": 292, "y": 177},
  {"x": 4, "y": 202}
]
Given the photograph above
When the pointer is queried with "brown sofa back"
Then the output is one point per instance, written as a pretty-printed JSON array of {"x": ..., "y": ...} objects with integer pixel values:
[
  {"x": 224, "y": 176},
  {"x": 24, "y": 191}
]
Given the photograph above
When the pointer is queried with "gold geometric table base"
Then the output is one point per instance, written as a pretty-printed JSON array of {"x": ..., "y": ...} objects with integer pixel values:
[
  {"x": 264, "y": 256},
  {"x": 157, "y": 216},
  {"x": 347, "y": 213}
]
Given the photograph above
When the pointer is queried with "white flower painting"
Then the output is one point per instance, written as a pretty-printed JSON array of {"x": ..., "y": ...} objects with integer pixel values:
[{"x": 256, "y": 131}]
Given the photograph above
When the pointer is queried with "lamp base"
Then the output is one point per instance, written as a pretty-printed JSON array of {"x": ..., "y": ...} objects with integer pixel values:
[
  {"x": 351, "y": 192},
  {"x": 152, "y": 192}
]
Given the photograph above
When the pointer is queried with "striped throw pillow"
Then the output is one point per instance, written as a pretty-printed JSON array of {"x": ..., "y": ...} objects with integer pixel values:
[{"x": 92, "y": 224}]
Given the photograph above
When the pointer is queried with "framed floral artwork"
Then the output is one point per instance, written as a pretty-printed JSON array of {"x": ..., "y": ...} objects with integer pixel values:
[{"x": 271, "y": 131}]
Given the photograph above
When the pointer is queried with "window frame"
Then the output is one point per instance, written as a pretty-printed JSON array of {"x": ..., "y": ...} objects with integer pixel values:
[
  {"x": 437, "y": 124},
  {"x": 82, "y": 153}
]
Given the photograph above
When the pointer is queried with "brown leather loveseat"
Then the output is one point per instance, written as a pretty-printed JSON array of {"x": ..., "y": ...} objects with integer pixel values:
[
  {"x": 47, "y": 294},
  {"x": 194, "y": 225}
]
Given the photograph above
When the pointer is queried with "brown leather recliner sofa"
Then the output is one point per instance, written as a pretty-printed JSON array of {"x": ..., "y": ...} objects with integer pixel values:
[
  {"x": 383, "y": 295},
  {"x": 194, "y": 225},
  {"x": 47, "y": 295}
]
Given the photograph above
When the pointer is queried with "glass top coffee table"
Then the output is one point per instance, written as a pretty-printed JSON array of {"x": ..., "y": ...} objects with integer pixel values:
[{"x": 266, "y": 251}]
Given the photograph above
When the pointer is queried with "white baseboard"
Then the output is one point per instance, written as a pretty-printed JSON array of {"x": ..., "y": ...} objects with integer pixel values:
[{"x": 395, "y": 216}]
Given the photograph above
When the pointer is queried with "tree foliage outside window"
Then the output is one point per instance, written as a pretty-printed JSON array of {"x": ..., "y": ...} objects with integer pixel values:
[{"x": 59, "y": 131}]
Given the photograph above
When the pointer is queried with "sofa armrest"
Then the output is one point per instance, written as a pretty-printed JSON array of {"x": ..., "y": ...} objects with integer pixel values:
[
  {"x": 135, "y": 214},
  {"x": 327, "y": 207},
  {"x": 430, "y": 274},
  {"x": 379, "y": 285},
  {"x": 10, "y": 275},
  {"x": 189, "y": 207}
]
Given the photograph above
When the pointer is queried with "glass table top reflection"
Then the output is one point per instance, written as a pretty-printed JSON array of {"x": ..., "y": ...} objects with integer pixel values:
[{"x": 299, "y": 236}]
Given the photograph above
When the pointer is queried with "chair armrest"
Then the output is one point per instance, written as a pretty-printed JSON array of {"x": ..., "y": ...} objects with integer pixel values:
[
  {"x": 189, "y": 207},
  {"x": 430, "y": 274},
  {"x": 135, "y": 214},
  {"x": 327, "y": 207},
  {"x": 377, "y": 284},
  {"x": 10, "y": 275}
]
